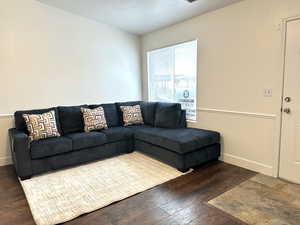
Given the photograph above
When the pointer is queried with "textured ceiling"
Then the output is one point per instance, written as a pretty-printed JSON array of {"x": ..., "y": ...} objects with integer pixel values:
[{"x": 139, "y": 16}]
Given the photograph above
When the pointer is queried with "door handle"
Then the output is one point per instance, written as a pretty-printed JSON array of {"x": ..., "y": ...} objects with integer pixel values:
[
  {"x": 287, "y": 99},
  {"x": 287, "y": 110}
]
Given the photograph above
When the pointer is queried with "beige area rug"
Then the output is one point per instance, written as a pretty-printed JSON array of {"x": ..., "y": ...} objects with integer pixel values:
[
  {"x": 262, "y": 200},
  {"x": 66, "y": 194}
]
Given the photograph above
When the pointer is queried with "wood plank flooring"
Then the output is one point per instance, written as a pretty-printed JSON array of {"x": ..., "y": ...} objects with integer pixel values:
[{"x": 182, "y": 201}]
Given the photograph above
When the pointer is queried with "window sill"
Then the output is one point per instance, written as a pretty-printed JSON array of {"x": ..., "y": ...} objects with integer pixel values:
[{"x": 191, "y": 121}]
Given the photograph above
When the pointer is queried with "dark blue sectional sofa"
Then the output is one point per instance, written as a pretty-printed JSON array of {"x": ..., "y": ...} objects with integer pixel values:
[{"x": 163, "y": 135}]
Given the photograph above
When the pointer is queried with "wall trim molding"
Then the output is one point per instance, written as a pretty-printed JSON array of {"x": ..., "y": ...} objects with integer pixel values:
[
  {"x": 248, "y": 164},
  {"x": 6, "y": 115},
  {"x": 250, "y": 114},
  {"x": 4, "y": 161}
]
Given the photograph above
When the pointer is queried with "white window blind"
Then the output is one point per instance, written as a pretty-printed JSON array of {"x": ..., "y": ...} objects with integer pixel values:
[{"x": 172, "y": 76}]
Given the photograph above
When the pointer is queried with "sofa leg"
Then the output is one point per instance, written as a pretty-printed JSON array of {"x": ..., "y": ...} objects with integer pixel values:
[
  {"x": 25, "y": 178},
  {"x": 183, "y": 170}
]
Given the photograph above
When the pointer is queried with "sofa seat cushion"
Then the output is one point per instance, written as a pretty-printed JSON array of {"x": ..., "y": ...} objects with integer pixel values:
[
  {"x": 182, "y": 140},
  {"x": 83, "y": 140},
  {"x": 50, "y": 147},
  {"x": 115, "y": 134},
  {"x": 136, "y": 128}
]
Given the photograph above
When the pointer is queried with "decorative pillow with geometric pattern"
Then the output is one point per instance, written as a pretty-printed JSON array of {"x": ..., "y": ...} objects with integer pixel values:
[
  {"x": 132, "y": 115},
  {"x": 41, "y": 126},
  {"x": 94, "y": 119}
]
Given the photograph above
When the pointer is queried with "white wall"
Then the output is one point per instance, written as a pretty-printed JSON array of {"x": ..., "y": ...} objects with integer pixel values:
[
  {"x": 50, "y": 57},
  {"x": 240, "y": 54}
]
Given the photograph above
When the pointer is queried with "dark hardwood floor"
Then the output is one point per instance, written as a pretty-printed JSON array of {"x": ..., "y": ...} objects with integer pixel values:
[{"x": 177, "y": 202}]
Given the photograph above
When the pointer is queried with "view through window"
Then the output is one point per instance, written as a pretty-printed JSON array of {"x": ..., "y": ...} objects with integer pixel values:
[{"x": 172, "y": 74}]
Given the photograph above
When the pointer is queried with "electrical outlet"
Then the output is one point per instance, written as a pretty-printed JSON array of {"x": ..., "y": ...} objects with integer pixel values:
[{"x": 268, "y": 92}]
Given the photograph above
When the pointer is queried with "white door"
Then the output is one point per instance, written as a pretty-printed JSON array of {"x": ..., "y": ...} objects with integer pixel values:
[{"x": 290, "y": 138}]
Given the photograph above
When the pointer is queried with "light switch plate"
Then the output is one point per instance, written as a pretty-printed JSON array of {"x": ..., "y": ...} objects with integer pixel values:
[{"x": 268, "y": 92}]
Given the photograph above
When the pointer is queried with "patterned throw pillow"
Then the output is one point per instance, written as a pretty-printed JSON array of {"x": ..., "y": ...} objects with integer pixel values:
[
  {"x": 41, "y": 126},
  {"x": 132, "y": 115},
  {"x": 94, "y": 119}
]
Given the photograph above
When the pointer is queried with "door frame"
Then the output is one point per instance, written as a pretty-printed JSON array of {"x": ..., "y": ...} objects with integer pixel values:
[{"x": 280, "y": 122}]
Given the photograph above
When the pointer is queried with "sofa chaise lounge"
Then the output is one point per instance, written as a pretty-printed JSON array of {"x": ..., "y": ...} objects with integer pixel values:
[{"x": 164, "y": 136}]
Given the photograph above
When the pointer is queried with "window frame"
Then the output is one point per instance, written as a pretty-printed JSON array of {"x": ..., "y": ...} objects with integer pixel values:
[{"x": 196, "y": 80}]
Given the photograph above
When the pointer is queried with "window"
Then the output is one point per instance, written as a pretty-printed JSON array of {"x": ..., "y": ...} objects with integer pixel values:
[{"x": 172, "y": 76}]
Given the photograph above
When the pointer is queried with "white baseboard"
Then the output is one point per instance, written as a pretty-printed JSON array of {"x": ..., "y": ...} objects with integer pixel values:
[
  {"x": 248, "y": 164},
  {"x": 5, "y": 161},
  {"x": 228, "y": 158}
]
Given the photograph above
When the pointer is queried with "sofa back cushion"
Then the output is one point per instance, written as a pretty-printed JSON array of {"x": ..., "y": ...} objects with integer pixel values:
[
  {"x": 120, "y": 113},
  {"x": 148, "y": 112},
  {"x": 111, "y": 114},
  {"x": 168, "y": 115},
  {"x": 21, "y": 124},
  {"x": 71, "y": 118}
]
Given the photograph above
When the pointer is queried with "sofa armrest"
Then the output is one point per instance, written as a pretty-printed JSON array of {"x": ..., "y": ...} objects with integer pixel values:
[{"x": 20, "y": 150}]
